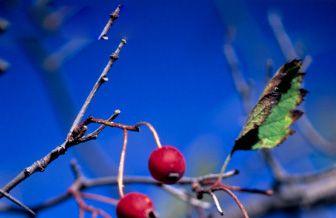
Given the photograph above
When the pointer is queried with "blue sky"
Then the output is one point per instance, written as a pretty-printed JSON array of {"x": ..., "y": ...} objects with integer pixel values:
[{"x": 171, "y": 73}]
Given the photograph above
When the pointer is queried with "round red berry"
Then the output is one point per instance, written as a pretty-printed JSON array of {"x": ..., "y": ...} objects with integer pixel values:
[
  {"x": 135, "y": 205},
  {"x": 166, "y": 164}
]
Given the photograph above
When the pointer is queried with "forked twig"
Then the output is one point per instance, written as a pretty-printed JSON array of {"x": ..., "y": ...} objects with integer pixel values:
[
  {"x": 40, "y": 165},
  {"x": 82, "y": 183}
]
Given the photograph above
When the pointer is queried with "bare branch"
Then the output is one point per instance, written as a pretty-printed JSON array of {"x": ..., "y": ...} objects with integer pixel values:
[
  {"x": 102, "y": 78},
  {"x": 76, "y": 169},
  {"x": 19, "y": 203},
  {"x": 82, "y": 183},
  {"x": 217, "y": 204},
  {"x": 244, "y": 91},
  {"x": 41, "y": 164},
  {"x": 95, "y": 133},
  {"x": 242, "y": 87},
  {"x": 306, "y": 127},
  {"x": 277, "y": 170},
  {"x": 113, "y": 17},
  {"x": 282, "y": 37},
  {"x": 181, "y": 194},
  {"x": 84, "y": 207},
  {"x": 299, "y": 191}
]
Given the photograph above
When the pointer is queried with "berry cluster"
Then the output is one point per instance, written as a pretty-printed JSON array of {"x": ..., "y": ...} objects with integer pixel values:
[{"x": 166, "y": 165}]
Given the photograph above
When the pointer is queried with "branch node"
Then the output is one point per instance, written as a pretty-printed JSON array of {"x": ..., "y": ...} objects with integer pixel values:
[
  {"x": 114, "y": 56},
  {"x": 113, "y": 16},
  {"x": 104, "y": 78},
  {"x": 40, "y": 165}
]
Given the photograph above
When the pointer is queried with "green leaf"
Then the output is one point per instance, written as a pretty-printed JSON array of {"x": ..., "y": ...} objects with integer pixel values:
[{"x": 268, "y": 124}]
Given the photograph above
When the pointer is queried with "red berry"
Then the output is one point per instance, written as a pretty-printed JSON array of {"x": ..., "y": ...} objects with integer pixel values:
[
  {"x": 166, "y": 164},
  {"x": 135, "y": 205}
]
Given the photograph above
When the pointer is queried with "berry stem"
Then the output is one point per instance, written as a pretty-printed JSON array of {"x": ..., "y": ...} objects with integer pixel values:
[
  {"x": 122, "y": 164},
  {"x": 239, "y": 204},
  {"x": 153, "y": 131}
]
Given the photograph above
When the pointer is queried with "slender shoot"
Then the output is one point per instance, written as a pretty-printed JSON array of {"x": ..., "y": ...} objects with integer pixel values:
[
  {"x": 122, "y": 165},
  {"x": 153, "y": 131}
]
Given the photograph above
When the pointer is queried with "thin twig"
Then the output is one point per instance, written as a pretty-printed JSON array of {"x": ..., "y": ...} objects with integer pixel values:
[
  {"x": 269, "y": 70},
  {"x": 181, "y": 194},
  {"x": 299, "y": 191},
  {"x": 305, "y": 125},
  {"x": 100, "y": 198},
  {"x": 242, "y": 87},
  {"x": 101, "y": 79},
  {"x": 113, "y": 16},
  {"x": 83, "y": 206},
  {"x": 86, "y": 183},
  {"x": 217, "y": 204},
  {"x": 277, "y": 170},
  {"x": 75, "y": 168},
  {"x": 113, "y": 124},
  {"x": 251, "y": 190},
  {"x": 282, "y": 37},
  {"x": 244, "y": 91},
  {"x": 40, "y": 165},
  {"x": 19, "y": 203},
  {"x": 96, "y": 132}
]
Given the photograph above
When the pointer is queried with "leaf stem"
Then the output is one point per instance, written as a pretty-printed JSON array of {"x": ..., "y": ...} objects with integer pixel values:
[{"x": 224, "y": 166}]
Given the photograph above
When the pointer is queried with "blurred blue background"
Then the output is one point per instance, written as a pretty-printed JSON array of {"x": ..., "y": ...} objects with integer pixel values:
[{"x": 172, "y": 73}]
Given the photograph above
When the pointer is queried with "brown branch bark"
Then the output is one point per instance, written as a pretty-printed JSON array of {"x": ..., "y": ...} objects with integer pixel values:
[
  {"x": 291, "y": 192},
  {"x": 82, "y": 183},
  {"x": 40, "y": 165},
  {"x": 113, "y": 16},
  {"x": 298, "y": 191}
]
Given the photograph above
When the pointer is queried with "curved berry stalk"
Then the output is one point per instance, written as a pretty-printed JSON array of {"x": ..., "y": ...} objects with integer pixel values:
[
  {"x": 153, "y": 131},
  {"x": 133, "y": 204},
  {"x": 122, "y": 164}
]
